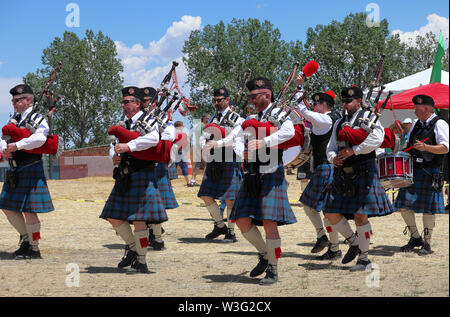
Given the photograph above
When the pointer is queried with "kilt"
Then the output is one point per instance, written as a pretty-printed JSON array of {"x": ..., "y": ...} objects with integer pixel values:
[
  {"x": 142, "y": 201},
  {"x": 172, "y": 171},
  {"x": 31, "y": 194},
  {"x": 421, "y": 197},
  {"x": 165, "y": 187},
  {"x": 370, "y": 197},
  {"x": 315, "y": 193},
  {"x": 273, "y": 204},
  {"x": 229, "y": 185}
]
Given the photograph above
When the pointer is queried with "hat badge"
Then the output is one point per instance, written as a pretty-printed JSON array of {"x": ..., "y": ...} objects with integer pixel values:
[
  {"x": 146, "y": 91},
  {"x": 259, "y": 83},
  {"x": 316, "y": 98},
  {"x": 19, "y": 90},
  {"x": 350, "y": 92},
  {"x": 131, "y": 91},
  {"x": 419, "y": 100},
  {"x": 222, "y": 91}
]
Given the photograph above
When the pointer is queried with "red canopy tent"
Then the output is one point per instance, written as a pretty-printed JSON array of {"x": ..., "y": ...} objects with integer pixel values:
[{"x": 439, "y": 92}]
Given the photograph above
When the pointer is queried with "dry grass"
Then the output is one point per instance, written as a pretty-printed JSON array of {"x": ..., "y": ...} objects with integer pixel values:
[{"x": 191, "y": 266}]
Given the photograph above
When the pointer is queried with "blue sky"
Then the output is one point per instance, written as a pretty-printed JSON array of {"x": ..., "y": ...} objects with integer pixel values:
[{"x": 149, "y": 34}]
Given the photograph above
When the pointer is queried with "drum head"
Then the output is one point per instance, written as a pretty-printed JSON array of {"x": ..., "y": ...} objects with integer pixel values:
[{"x": 290, "y": 154}]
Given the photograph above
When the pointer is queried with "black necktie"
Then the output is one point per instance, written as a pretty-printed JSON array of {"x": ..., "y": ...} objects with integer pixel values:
[
  {"x": 18, "y": 117},
  {"x": 260, "y": 114},
  {"x": 128, "y": 123},
  {"x": 219, "y": 116}
]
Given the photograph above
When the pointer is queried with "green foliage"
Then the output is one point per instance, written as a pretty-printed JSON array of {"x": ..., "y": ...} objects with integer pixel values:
[
  {"x": 89, "y": 85},
  {"x": 218, "y": 55}
]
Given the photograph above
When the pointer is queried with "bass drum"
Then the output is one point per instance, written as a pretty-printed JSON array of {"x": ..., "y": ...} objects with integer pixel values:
[{"x": 294, "y": 157}]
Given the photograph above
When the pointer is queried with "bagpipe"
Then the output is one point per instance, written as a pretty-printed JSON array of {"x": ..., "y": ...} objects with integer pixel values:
[
  {"x": 356, "y": 136},
  {"x": 159, "y": 116},
  {"x": 218, "y": 129},
  {"x": 271, "y": 122},
  {"x": 15, "y": 132}
]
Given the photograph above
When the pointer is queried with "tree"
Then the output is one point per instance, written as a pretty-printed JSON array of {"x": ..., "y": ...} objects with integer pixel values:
[
  {"x": 218, "y": 55},
  {"x": 348, "y": 53},
  {"x": 89, "y": 85}
]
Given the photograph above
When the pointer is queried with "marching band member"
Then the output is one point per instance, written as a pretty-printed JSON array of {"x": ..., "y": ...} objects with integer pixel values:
[
  {"x": 135, "y": 196},
  {"x": 25, "y": 193},
  {"x": 162, "y": 177},
  {"x": 314, "y": 196},
  {"x": 356, "y": 189},
  {"x": 271, "y": 206},
  {"x": 425, "y": 195},
  {"x": 223, "y": 176}
]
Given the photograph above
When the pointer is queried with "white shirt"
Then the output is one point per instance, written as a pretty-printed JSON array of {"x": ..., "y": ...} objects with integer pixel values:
[
  {"x": 234, "y": 138},
  {"x": 37, "y": 139},
  {"x": 321, "y": 122},
  {"x": 142, "y": 142},
  {"x": 371, "y": 143},
  {"x": 440, "y": 130}
]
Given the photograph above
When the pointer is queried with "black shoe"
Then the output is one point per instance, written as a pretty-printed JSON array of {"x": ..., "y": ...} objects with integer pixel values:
[
  {"x": 361, "y": 265},
  {"x": 29, "y": 254},
  {"x": 260, "y": 267},
  {"x": 230, "y": 237},
  {"x": 426, "y": 249},
  {"x": 270, "y": 278},
  {"x": 351, "y": 254},
  {"x": 321, "y": 244},
  {"x": 157, "y": 246},
  {"x": 128, "y": 259},
  {"x": 412, "y": 243},
  {"x": 330, "y": 255},
  {"x": 24, "y": 246},
  {"x": 140, "y": 267},
  {"x": 216, "y": 232}
]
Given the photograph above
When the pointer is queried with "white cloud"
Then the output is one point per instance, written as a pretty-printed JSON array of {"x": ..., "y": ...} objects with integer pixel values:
[
  {"x": 5, "y": 98},
  {"x": 162, "y": 52},
  {"x": 261, "y": 5},
  {"x": 435, "y": 25}
]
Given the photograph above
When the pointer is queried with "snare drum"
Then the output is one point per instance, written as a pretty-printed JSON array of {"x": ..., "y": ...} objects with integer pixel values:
[
  {"x": 293, "y": 157},
  {"x": 395, "y": 170}
]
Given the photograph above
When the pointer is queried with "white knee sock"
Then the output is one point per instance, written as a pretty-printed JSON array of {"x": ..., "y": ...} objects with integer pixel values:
[
  {"x": 34, "y": 234},
  {"x": 124, "y": 231},
  {"x": 141, "y": 240},
  {"x": 410, "y": 219},
  {"x": 316, "y": 220},
  {"x": 428, "y": 226},
  {"x": 255, "y": 238},
  {"x": 214, "y": 211},
  {"x": 231, "y": 224},
  {"x": 333, "y": 234},
  {"x": 157, "y": 232},
  {"x": 17, "y": 220},
  {"x": 343, "y": 227},
  {"x": 364, "y": 233},
  {"x": 273, "y": 252}
]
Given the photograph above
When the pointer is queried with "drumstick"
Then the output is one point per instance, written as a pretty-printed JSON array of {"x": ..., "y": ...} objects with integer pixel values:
[{"x": 413, "y": 145}]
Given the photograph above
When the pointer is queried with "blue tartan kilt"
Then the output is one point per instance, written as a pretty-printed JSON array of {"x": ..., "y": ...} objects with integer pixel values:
[
  {"x": 273, "y": 203},
  {"x": 229, "y": 185},
  {"x": 315, "y": 194},
  {"x": 31, "y": 194},
  {"x": 173, "y": 174},
  {"x": 142, "y": 201},
  {"x": 370, "y": 197},
  {"x": 421, "y": 197},
  {"x": 165, "y": 187}
]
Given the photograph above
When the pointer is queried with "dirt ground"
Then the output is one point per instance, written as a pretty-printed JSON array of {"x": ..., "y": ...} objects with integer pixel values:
[{"x": 74, "y": 238}]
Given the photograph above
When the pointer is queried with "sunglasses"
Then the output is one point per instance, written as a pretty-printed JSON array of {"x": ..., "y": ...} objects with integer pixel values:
[
  {"x": 125, "y": 102},
  {"x": 253, "y": 96},
  {"x": 17, "y": 99},
  {"x": 347, "y": 100},
  {"x": 218, "y": 100}
]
